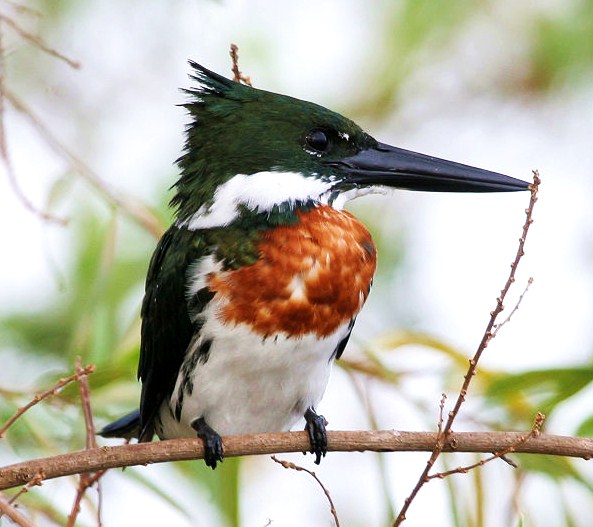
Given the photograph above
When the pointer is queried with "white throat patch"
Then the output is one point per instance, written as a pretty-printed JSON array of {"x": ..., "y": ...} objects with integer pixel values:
[{"x": 259, "y": 192}]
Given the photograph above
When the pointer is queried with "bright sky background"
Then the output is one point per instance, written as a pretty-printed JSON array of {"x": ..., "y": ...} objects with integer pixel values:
[{"x": 134, "y": 59}]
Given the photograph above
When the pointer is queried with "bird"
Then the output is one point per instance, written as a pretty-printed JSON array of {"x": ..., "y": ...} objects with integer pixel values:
[{"x": 252, "y": 293}]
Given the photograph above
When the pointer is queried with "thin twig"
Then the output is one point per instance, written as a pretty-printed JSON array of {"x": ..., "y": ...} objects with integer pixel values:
[
  {"x": 274, "y": 443},
  {"x": 44, "y": 395},
  {"x": 4, "y": 153},
  {"x": 37, "y": 41},
  {"x": 289, "y": 465},
  {"x": 36, "y": 481},
  {"x": 514, "y": 310},
  {"x": 129, "y": 206},
  {"x": 535, "y": 431},
  {"x": 473, "y": 363},
  {"x": 18, "y": 191},
  {"x": 87, "y": 479},
  {"x": 488, "y": 335},
  {"x": 441, "y": 413},
  {"x": 85, "y": 401},
  {"x": 16, "y": 516},
  {"x": 21, "y": 8},
  {"x": 238, "y": 76}
]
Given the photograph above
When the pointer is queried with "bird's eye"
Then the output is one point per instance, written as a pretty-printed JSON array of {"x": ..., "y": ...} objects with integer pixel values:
[{"x": 317, "y": 140}]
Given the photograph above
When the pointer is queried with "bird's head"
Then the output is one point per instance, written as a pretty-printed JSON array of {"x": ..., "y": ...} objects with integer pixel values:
[{"x": 252, "y": 150}]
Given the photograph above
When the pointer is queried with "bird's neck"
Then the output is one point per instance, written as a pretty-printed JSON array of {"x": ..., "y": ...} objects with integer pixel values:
[{"x": 275, "y": 195}]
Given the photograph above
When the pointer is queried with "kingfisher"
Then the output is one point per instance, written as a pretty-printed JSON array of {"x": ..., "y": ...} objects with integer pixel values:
[{"x": 253, "y": 292}]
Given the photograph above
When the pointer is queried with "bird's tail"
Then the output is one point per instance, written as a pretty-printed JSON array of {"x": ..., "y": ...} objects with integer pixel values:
[{"x": 127, "y": 426}]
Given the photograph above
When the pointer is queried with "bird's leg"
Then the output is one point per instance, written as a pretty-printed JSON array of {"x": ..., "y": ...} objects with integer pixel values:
[
  {"x": 315, "y": 427},
  {"x": 212, "y": 442}
]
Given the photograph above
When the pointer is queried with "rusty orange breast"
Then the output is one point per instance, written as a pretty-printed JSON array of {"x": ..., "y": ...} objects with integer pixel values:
[{"x": 310, "y": 278}]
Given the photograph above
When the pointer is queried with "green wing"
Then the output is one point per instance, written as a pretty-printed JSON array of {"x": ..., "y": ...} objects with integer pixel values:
[
  {"x": 167, "y": 328},
  {"x": 166, "y": 325}
]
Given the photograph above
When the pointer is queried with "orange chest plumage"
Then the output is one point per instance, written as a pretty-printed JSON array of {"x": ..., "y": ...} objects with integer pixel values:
[{"x": 311, "y": 277}]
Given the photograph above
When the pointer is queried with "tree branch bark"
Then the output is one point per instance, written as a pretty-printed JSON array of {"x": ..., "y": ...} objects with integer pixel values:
[{"x": 103, "y": 458}]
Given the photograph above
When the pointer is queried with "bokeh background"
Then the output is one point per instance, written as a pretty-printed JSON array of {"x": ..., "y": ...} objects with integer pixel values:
[{"x": 503, "y": 85}]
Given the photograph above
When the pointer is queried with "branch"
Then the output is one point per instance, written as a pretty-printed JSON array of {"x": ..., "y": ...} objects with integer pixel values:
[{"x": 104, "y": 458}]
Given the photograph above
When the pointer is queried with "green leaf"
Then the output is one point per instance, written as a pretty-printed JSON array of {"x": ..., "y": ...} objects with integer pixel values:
[
  {"x": 222, "y": 484},
  {"x": 585, "y": 429},
  {"x": 539, "y": 389},
  {"x": 556, "y": 468}
]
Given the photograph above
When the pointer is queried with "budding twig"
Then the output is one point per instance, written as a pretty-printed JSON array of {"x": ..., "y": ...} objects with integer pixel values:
[
  {"x": 514, "y": 310},
  {"x": 36, "y": 481},
  {"x": 489, "y": 334},
  {"x": 87, "y": 480},
  {"x": 7, "y": 507},
  {"x": 238, "y": 76},
  {"x": 44, "y": 395},
  {"x": 535, "y": 431}
]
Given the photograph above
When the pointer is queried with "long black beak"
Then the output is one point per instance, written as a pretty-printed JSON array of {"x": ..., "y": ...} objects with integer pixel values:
[{"x": 386, "y": 165}]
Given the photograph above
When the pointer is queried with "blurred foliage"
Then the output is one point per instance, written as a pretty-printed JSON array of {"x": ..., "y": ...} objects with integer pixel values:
[
  {"x": 411, "y": 28},
  {"x": 540, "y": 390},
  {"x": 503, "y": 401},
  {"x": 561, "y": 49},
  {"x": 558, "y": 48},
  {"x": 95, "y": 316}
]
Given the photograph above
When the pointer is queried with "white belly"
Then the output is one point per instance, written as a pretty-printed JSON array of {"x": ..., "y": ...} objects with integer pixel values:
[{"x": 249, "y": 384}]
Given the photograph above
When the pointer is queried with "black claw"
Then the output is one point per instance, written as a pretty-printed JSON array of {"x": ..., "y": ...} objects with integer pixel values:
[
  {"x": 315, "y": 427},
  {"x": 213, "y": 451}
]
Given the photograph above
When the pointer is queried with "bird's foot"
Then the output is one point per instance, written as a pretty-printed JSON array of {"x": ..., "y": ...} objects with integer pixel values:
[
  {"x": 315, "y": 427},
  {"x": 213, "y": 451}
]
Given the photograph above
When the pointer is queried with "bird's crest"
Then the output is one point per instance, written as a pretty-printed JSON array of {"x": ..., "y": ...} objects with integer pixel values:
[{"x": 235, "y": 129}]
